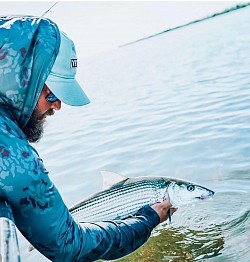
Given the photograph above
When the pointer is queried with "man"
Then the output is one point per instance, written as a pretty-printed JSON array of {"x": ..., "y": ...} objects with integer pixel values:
[{"x": 37, "y": 72}]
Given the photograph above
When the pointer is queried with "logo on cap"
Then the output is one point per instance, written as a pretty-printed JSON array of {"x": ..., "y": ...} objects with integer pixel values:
[{"x": 73, "y": 63}]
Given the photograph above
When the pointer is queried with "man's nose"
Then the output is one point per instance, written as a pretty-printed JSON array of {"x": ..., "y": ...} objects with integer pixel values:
[{"x": 56, "y": 105}]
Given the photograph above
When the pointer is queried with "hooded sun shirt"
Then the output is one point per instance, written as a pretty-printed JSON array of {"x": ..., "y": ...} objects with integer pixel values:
[{"x": 28, "y": 49}]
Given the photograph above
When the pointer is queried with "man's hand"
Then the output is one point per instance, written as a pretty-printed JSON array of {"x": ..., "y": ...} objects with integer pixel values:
[{"x": 162, "y": 209}]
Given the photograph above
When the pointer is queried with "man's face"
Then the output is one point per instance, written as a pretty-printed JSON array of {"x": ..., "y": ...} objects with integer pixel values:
[{"x": 34, "y": 128}]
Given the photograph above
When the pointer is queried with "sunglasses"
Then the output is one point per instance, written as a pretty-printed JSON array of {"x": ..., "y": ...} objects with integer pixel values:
[{"x": 51, "y": 98}]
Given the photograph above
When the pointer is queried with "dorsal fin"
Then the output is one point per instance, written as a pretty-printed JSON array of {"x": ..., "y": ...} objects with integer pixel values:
[{"x": 111, "y": 178}]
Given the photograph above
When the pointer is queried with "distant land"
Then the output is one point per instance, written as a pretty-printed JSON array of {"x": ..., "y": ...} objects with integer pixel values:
[{"x": 234, "y": 8}]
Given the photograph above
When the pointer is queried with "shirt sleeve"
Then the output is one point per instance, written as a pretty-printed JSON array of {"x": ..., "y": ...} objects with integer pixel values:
[
  {"x": 43, "y": 218},
  {"x": 114, "y": 239}
]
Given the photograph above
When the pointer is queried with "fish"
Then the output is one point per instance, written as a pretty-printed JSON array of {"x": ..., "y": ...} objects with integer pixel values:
[
  {"x": 9, "y": 247},
  {"x": 122, "y": 196}
]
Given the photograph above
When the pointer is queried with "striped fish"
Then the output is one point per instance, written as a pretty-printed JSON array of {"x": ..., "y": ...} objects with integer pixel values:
[{"x": 123, "y": 196}]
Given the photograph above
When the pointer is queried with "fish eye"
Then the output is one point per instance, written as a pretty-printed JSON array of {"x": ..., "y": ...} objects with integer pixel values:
[{"x": 190, "y": 188}]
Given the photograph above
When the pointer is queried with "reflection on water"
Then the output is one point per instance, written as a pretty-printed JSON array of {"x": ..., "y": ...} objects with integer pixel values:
[
  {"x": 180, "y": 244},
  {"x": 220, "y": 242},
  {"x": 177, "y": 105}
]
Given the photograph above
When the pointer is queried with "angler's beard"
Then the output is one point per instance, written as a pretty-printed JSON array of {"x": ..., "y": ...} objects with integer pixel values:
[{"x": 33, "y": 130}]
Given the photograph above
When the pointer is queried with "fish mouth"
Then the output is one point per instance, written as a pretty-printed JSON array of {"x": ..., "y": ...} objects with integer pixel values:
[{"x": 203, "y": 197}]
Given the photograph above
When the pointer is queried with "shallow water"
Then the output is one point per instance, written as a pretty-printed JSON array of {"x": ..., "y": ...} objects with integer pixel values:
[{"x": 175, "y": 105}]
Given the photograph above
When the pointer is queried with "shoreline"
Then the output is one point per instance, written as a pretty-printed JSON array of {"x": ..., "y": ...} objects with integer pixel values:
[{"x": 232, "y": 9}]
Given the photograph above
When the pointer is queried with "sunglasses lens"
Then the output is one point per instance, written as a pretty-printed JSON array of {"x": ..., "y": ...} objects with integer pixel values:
[{"x": 51, "y": 98}]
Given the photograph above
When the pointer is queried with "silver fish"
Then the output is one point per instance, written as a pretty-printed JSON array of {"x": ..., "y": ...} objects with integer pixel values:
[{"x": 124, "y": 196}]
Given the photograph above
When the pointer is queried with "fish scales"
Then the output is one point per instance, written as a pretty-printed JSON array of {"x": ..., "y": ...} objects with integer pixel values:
[
  {"x": 119, "y": 201},
  {"x": 112, "y": 208}
]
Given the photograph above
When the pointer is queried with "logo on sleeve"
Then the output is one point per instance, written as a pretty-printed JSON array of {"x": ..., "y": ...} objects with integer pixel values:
[{"x": 73, "y": 63}]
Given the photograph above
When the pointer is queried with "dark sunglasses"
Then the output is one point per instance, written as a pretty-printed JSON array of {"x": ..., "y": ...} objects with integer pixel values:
[{"x": 51, "y": 98}]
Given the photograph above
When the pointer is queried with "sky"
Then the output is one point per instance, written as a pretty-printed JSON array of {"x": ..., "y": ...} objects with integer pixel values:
[{"x": 98, "y": 26}]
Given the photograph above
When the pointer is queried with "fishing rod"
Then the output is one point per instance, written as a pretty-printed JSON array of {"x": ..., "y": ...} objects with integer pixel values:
[{"x": 48, "y": 9}]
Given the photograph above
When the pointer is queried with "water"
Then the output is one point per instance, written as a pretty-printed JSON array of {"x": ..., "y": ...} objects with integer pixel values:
[{"x": 175, "y": 105}]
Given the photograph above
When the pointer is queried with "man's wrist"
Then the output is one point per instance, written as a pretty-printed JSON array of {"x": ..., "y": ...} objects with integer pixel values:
[{"x": 148, "y": 212}]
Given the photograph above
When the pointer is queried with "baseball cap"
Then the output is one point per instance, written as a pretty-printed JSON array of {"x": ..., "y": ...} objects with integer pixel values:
[{"x": 61, "y": 80}]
